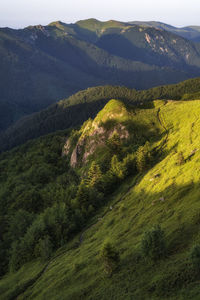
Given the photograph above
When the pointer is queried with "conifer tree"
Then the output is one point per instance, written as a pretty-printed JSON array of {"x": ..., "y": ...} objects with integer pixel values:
[
  {"x": 94, "y": 175},
  {"x": 82, "y": 195},
  {"x": 114, "y": 143},
  {"x": 141, "y": 159},
  {"x": 117, "y": 168}
]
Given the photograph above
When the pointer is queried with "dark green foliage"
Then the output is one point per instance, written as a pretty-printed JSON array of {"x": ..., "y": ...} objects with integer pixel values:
[
  {"x": 153, "y": 244},
  {"x": 83, "y": 195},
  {"x": 114, "y": 144},
  {"x": 18, "y": 224},
  {"x": 118, "y": 168},
  {"x": 195, "y": 257},
  {"x": 42, "y": 64},
  {"x": 94, "y": 175},
  {"x": 129, "y": 164},
  {"x": 16, "y": 260},
  {"x": 33, "y": 178},
  {"x": 43, "y": 200},
  {"x": 89, "y": 195},
  {"x": 110, "y": 258},
  {"x": 44, "y": 248},
  {"x": 46, "y": 200},
  {"x": 109, "y": 181},
  {"x": 143, "y": 157},
  {"x": 82, "y": 105},
  {"x": 65, "y": 218},
  {"x": 49, "y": 231}
]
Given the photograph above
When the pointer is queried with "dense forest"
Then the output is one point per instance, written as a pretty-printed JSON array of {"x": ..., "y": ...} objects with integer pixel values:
[
  {"x": 44, "y": 202},
  {"x": 103, "y": 205},
  {"x": 76, "y": 109},
  {"x": 40, "y": 65}
]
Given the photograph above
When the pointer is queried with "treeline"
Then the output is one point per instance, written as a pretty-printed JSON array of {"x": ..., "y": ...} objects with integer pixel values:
[
  {"x": 44, "y": 202},
  {"x": 84, "y": 104},
  {"x": 32, "y": 178}
]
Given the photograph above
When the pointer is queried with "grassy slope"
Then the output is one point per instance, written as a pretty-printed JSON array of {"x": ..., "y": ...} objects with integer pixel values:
[
  {"x": 40, "y": 65},
  {"x": 78, "y": 274},
  {"x": 87, "y": 103}
]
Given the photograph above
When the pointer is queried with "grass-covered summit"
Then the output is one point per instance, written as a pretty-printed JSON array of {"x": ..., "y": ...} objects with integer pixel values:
[
  {"x": 85, "y": 104},
  {"x": 117, "y": 125}
]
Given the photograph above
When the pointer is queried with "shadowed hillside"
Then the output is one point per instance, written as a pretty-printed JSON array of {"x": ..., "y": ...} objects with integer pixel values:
[
  {"x": 41, "y": 64},
  {"x": 121, "y": 223},
  {"x": 76, "y": 109}
]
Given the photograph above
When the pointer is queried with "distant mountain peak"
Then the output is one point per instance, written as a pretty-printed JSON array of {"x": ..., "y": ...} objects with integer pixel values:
[{"x": 94, "y": 24}]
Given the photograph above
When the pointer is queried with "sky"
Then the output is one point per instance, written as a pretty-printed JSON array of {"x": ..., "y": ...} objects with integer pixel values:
[{"x": 21, "y": 13}]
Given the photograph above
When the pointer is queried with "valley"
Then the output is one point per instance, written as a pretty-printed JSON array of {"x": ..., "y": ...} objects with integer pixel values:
[{"x": 40, "y": 65}]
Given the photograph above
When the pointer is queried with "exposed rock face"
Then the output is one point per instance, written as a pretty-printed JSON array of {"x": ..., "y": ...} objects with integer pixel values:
[
  {"x": 76, "y": 153},
  {"x": 66, "y": 148},
  {"x": 87, "y": 144},
  {"x": 94, "y": 134}
]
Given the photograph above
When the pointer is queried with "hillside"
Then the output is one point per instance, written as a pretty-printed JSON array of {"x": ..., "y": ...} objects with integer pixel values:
[
  {"x": 147, "y": 174},
  {"x": 40, "y": 65},
  {"x": 76, "y": 109},
  {"x": 190, "y": 32}
]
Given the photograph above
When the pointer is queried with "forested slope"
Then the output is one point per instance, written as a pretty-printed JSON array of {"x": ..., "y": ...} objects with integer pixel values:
[
  {"x": 76, "y": 109},
  {"x": 130, "y": 231},
  {"x": 40, "y": 65}
]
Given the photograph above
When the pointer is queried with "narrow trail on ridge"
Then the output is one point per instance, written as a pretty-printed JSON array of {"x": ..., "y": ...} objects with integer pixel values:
[{"x": 162, "y": 124}]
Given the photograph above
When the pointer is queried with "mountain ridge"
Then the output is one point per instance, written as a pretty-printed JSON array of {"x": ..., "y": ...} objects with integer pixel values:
[
  {"x": 84, "y": 104},
  {"x": 42, "y": 64},
  {"x": 153, "y": 179}
]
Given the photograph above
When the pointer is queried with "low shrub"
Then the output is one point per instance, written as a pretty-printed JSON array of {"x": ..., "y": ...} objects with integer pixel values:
[
  {"x": 110, "y": 257},
  {"x": 153, "y": 244}
]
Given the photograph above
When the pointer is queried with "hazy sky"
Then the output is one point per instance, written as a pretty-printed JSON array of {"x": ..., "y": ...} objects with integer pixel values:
[{"x": 21, "y": 13}]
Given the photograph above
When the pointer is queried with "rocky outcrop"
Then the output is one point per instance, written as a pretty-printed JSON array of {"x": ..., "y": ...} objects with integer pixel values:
[
  {"x": 95, "y": 133},
  {"x": 87, "y": 144},
  {"x": 66, "y": 148},
  {"x": 77, "y": 153}
]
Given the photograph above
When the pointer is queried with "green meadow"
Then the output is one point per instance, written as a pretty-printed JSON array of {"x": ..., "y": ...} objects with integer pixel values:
[{"x": 166, "y": 193}]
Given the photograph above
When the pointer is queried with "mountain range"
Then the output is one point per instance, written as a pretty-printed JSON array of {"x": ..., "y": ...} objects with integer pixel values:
[
  {"x": 189, "y": 32},
  {"x": 99, "y": 166},
  {"x": 40, "y": 65}
]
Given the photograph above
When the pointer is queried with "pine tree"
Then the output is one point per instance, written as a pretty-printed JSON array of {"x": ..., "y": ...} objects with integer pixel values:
[
  {"x": 117, "y": 168},
  {"x": 153, "y": 244},
  {"x": 114, "y": 143},
  {"x": 141, "y": 160},
  {"x": 94, "y": 175},
  {"x": 82, "y": 196}
]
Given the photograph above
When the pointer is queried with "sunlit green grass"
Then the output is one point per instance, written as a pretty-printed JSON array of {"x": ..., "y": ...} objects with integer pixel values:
[{"x": 171, "y": 199}]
